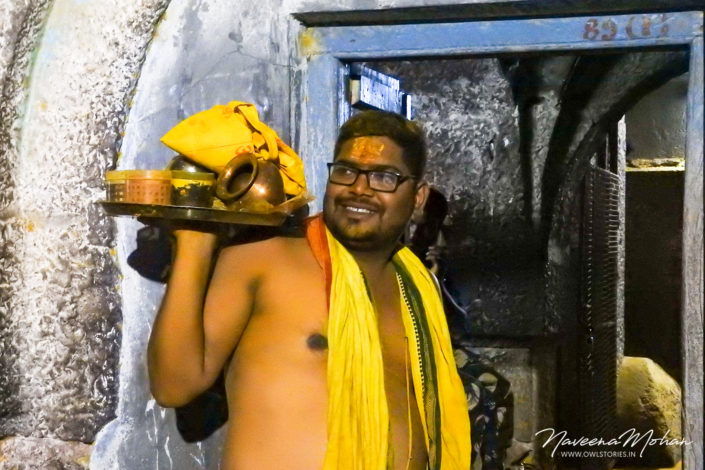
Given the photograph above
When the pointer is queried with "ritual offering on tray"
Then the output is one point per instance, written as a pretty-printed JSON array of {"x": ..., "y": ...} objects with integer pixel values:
[
  {"x": 115, "y": 185},
  {"x": 192, "y": 189},
  {"x": 139, "y": 186},
  {"x": 231, "y": 168}
]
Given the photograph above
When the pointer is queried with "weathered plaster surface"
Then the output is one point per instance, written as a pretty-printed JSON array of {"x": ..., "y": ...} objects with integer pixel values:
[
  {"x": 470, "y": 117},
  {"x": 538, "y": 87},
  {"x": 19, "y": 33},
  {"x": 61, "y": 128},
  {"x": 656, "y": 124},
  {"x": 30, "y": 453}
]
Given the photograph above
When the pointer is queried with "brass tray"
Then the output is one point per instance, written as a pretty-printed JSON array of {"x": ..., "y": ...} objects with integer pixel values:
[{"x": 276, "y": 216}]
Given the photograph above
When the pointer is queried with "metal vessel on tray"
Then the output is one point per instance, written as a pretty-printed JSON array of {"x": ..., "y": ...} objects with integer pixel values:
[{"x": 250, "y": 192}]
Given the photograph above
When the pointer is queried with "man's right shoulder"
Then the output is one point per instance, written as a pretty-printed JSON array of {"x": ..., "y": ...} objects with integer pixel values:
[{"x": 265, "y": 253}]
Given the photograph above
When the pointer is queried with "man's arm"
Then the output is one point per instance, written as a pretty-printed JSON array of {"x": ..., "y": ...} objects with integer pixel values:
[{"x": 195, "y": 333}]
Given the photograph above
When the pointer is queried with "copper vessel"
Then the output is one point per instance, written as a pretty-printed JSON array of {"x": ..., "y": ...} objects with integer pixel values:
[{"x": 247, "y": 180}]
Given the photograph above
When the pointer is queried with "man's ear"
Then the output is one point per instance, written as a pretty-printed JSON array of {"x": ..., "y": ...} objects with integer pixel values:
[{"x": 422, "y": 190}]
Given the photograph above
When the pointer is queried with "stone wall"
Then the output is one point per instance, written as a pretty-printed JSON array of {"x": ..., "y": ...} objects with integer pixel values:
[
  {"x": 469, "y": 113},
  {"x": 68, "y": 71},
  {"x": 656, "y": 124}
]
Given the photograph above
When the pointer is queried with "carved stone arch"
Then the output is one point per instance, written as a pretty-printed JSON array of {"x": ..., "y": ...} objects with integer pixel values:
[
  {"x": 584, "y": 128},
  {"x": 629, "y": 78}
]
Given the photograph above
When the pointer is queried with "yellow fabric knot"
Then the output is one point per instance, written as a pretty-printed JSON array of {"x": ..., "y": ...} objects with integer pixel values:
[{"x": 215, "y": 136}]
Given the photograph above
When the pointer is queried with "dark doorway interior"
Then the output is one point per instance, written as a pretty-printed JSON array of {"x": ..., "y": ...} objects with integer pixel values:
[{"x": 652, "y": 303}]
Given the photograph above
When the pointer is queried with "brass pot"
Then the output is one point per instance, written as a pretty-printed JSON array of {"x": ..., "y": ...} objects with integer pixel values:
[{"x": 247, "y": 180}]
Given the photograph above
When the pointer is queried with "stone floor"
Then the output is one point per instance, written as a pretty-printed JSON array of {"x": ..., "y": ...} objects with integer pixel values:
[{"x": 31, "y": 453}]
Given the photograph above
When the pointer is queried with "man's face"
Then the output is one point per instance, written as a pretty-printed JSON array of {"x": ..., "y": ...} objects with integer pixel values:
[{"x": 364, "y": 219}]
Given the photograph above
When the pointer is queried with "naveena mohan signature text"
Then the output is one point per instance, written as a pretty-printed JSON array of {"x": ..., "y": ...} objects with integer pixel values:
[{"x": 629, "y": 438}]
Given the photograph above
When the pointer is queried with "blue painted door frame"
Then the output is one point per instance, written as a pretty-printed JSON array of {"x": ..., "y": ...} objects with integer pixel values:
[
  {"x": 319, "y": 100},
  {"x": 320, "y": 107}
]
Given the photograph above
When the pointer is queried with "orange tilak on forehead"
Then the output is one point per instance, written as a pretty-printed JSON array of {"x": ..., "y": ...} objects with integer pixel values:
[{"x": 367, "y": 149}]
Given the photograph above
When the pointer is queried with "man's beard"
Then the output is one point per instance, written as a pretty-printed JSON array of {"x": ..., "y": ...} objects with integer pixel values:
[
  {"x": 353, "y": 235},
  {"x": 358, "y": 236}
]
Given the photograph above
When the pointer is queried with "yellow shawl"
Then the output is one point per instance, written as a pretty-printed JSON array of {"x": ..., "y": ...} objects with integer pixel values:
[{"x": 358, "y": 420}]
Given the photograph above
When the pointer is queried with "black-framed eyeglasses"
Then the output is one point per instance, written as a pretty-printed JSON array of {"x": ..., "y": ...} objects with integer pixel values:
[{"x": 379, "y": 180}]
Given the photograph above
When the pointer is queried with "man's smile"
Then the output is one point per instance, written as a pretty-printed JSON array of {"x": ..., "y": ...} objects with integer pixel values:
[
  {"x": 358, "y": 210},
  {"x": 358, "y": 207}
]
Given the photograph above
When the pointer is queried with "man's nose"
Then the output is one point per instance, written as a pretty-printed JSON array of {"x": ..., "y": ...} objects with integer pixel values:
[{"x": 361, "y": 185}]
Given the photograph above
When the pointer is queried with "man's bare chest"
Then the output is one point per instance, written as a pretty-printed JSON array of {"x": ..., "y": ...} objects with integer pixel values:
[{"x": 291, "y": 302}]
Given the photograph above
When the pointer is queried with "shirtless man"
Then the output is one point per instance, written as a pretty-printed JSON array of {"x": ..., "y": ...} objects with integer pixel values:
[{"x": 262, "y": 315}]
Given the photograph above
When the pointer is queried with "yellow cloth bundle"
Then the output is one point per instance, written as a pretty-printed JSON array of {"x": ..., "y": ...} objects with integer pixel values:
[
  {"x": 358, "y": 418},
  {"x": 215, "y": 136}
]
